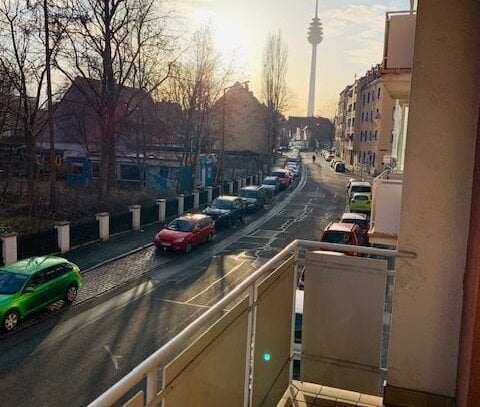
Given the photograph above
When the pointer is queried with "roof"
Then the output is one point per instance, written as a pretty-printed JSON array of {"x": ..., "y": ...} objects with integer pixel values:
[
  {"x": 251, "y": 188},
  {"x": 355, "y": 194},
  {"x": 193, "y": 217},
  {"x": 271, "y": 177},
  {"x": 354, "y": 215},
  {"x": 340, "y": 227},
  {"x": 360, "y": 183},
  {"x": 33, "y": 264},
  {"x": 227, "y": 197}
]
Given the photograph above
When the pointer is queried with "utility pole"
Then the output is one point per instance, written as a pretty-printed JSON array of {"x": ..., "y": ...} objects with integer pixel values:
[{"x": 51, "y": 125}]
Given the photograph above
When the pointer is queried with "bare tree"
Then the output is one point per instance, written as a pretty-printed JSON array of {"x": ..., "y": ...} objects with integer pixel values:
[
  {"x": 274, "y": 87},
  {"x": 107, "y": 41},
  {"x": 197, "y": 83}
]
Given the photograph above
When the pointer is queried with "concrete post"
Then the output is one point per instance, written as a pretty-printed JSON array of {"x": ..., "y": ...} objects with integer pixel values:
[
  {"x": 63, "y": 236},
  {"x": 254, "y": 179},
  {"x": 239, "y": 185},
  {"x": 260, "y": 177},
  {"x": 136, "y": 210},
  {"x": 103, "y": 224},
  {"x": 9, "y": 248},
  {"x": 162, "y": 207},
  {"x": 230, "y": 187},
  {"x": 180, "y": 203},
  {"x": 244, "y": 182},
  {"x": 209, "y": 194},
  {"x": 196, "y": 199}
]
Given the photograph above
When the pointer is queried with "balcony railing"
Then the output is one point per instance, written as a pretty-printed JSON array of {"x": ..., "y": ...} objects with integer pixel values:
[{"x": 244, "y": 357}]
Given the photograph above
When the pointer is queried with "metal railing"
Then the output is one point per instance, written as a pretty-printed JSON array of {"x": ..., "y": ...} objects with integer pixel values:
[{"x": 148, "y": 370}]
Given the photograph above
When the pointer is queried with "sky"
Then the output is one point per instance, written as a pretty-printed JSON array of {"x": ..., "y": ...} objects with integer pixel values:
[{"x": 352, "y": 44}]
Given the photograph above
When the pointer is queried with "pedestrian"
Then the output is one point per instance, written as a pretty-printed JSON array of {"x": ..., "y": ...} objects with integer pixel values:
[{"x": 314, "y": 158}]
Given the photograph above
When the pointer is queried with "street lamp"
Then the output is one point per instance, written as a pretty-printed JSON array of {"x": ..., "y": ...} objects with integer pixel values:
[{"x": 222, "y": 152}]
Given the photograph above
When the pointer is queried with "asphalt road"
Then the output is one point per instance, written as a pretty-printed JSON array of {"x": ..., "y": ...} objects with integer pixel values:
[{"x": 72, "y": 356}]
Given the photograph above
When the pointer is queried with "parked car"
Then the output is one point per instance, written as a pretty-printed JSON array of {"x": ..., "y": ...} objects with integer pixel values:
[
  {"x": 358, "y": 186},
  {"x": 271, "y": 183},
  {"x": 344, "y": 233},
  {"x": 32, "y": 284},
  {"x": 226, "y": 210},
  {"x": 185, "y": 232},
  {"x": 294, "y": 170},
  {"x": 254, "y": 196},
  {"x": 361, "y": 202},
  {"x": 359, "y": 219},
  {"x": 339, "y": 166},
  {"x": 284, "y": 177},
  {"x": 329, "y": 157}
]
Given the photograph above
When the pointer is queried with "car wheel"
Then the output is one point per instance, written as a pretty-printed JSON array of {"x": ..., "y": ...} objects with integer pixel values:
[
  {"x": 71, "y": 294},
  {"x": 10, "y": 321},
  {"x": 188, "y": 247}
]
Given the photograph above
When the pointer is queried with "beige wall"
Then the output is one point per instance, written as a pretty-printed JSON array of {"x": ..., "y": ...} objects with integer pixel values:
[
  {"x": 245, "y": 122},
  {"x": 439, "y": 162}
]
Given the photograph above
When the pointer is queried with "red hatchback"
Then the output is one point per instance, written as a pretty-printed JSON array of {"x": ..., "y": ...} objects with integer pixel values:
[
  {"x": 185, "y": 232},
  {"x": 283, "y": 176}
]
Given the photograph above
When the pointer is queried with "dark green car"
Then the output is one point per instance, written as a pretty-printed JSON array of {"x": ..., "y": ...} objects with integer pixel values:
[{"x": 32, "y": 284}]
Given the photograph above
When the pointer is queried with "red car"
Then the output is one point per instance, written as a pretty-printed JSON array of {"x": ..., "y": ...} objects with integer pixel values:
[
  {"x": 185, "y": 232},
  {"x": 344, "y": 233},
  {"x": 284, "y": 177}
]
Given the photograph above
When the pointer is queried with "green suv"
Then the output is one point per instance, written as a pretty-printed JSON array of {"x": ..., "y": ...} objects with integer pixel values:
[{"x": 32, "y": 284}]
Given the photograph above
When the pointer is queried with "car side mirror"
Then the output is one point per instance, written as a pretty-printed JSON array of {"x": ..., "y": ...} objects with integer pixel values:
[{"x": 28, "y": 290}]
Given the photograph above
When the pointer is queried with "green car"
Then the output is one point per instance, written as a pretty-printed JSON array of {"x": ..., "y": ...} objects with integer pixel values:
[
  {"x": 32, "y": 284},
  {"x": 361, "y": 202}
]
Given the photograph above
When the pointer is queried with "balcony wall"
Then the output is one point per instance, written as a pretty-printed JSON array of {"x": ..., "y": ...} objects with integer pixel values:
[{"x": 386, "y": 203}]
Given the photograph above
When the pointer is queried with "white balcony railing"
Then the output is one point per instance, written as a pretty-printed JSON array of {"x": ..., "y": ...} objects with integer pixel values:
[
  {"x": 244, "y": 357},
  {"x": 399, "y": 40}
]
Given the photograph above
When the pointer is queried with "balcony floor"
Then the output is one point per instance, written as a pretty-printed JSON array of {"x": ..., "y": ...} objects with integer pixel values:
[{"x": 305, "y": 394}]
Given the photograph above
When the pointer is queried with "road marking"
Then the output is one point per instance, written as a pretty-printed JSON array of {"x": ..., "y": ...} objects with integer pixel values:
[
  {"x": 216, "y": 281},
  {"x": 114, "y": 357}
]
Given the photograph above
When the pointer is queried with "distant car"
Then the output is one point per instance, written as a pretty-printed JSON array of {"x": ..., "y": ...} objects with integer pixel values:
[
  {"x": 361, "y": 202},
  {"x": 185, "y": 232},
  {"x": 344, "y": 233},
  {"x": 358, "y": 186},
  {"x": 271, "y": 183},
  {"x": 226, "y": 210},
  {"x": 294, "y": 170},
  {"x": 329, "y": 157},
  {"x": 254, "y": 196},
  {"x": 339, "y": 167},
  {"x": 32, "y": 284},
  {"x": 283, "y": 175}
]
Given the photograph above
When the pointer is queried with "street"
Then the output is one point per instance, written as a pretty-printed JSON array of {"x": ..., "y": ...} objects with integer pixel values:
[{"x": 72, "y": 356}]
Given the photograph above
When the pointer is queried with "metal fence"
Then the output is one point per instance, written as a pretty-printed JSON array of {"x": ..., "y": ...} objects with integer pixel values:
[
  {"x": 203, "y": 197},
  {"x": 149, "y": 214},
  {"x": 37, "y": 244},
  {"x": 188, "y": 203},
  {"x": 171, "y": 208},
  {"x": 215, "y": 192},
  {"x": 120, "y": 223},
  {"x": 84, "y": 232}
]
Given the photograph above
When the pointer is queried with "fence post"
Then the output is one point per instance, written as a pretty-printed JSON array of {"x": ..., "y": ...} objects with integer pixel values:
[
  {"x": 209, "y": 194},
  {"x": 180, "y": 203},
  {"x": 135, "y": 210},
  {"x": 162, "y": 207},
  {"x": 63, "y": 236},
  {"x": 196, "y": 199},
  {"x": 104, "y": 224},
  {"x": 239, "y": 185},
  {"x": 9, "y": 248}
]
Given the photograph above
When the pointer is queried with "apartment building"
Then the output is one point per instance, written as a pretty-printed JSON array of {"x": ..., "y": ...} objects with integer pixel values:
[
  {"x": 374, "y": 125},
  {"x": 345, "y": 123}
]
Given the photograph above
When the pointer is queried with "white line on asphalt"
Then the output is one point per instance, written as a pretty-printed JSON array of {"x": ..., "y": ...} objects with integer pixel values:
[
  {"x": 114, "y": 357},
  {"x": 216, "y": 281},
  {"x": 181, "y": 303}
]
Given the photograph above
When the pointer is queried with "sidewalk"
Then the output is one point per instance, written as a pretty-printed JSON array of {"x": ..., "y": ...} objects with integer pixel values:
[{"x": 94, "y": 254}]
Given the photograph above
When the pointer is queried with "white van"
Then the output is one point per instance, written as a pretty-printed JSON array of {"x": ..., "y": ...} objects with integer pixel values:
[{"x": 358, "y": 186}]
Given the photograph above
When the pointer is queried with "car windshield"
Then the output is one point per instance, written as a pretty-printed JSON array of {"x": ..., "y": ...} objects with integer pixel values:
[
  {"x": 221, "y": 204},
  {"x": 248, "y": 194},
  {"x": 361, "y": 188},
  {"x": 180, "y": 225},
  {"x": 270, "y": 181},
  {"x": 361, "y": 198},
  {"x": 279, "y": 174},
  {"x": 336, "y": 237},
  {"x": 11, "y": 283}
]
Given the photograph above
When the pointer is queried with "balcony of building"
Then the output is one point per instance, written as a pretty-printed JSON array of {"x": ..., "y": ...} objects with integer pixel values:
[
  {"x": 386, "y": 204},
  {"x": 398, "y": 53},
  {"x": 269, "y": 343}
]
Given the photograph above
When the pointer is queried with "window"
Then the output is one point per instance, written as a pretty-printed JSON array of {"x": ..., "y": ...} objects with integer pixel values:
[
  {"x": 363, "y": 116},
  {"x": 373, "y": 95},
  {"x": 373, "y": 159},
  {"x": 371, "y": 115},
  {"x": 129, "y": 172},
  {"x": 376, "y": 131},
  {"x": 363, "y": 99},
  {"x": 378, "y": 93},
  {"x": 368, "y": 97},
  {"x": 370, "y": 136},
  {"x": 77, "y": 169}
]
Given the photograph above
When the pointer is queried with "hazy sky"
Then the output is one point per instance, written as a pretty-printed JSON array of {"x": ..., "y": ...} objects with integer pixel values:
[{"x": 353, "y": 39}]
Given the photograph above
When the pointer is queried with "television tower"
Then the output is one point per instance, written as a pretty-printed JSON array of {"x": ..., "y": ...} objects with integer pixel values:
[{"x": 315, "y": 37}]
